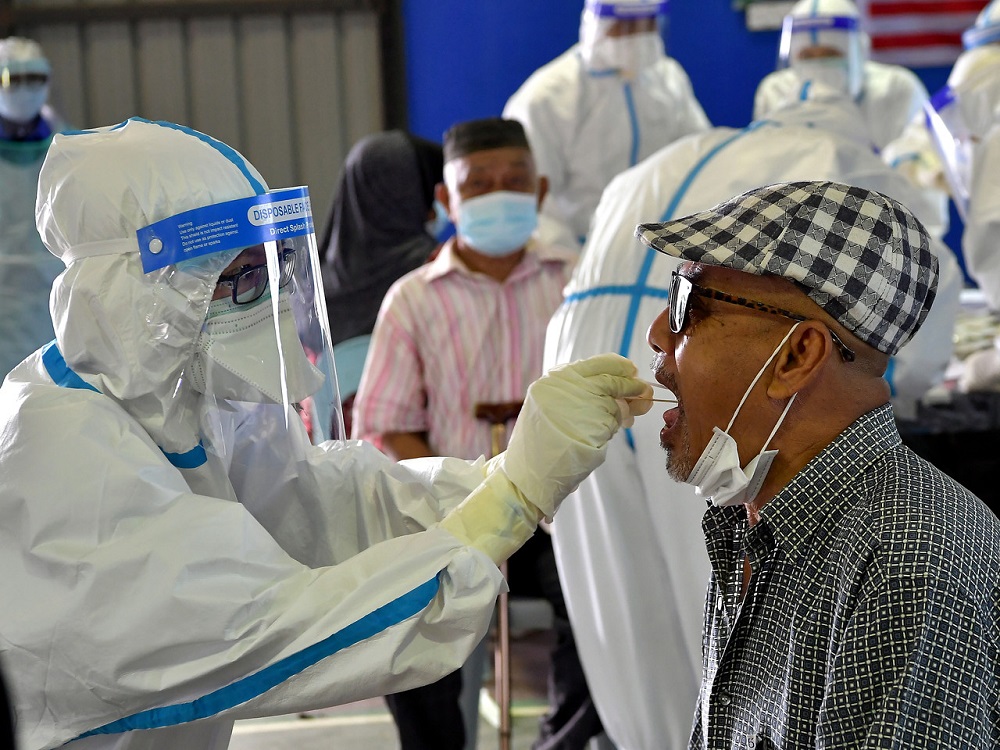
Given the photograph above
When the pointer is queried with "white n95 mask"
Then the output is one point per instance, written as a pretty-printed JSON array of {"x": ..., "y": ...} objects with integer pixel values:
[
  {"x": 628, "y": 54},
  {"x": 21, "y": 104},
  {"x": 718, "y": 475},
  {"x": 236, "y": 356},
  {"x": 830, "y": 71},
  {"x": 498, "y": 223}
]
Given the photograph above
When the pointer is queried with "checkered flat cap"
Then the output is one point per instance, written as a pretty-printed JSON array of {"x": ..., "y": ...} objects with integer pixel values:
[{"x": 860, "y": 255}]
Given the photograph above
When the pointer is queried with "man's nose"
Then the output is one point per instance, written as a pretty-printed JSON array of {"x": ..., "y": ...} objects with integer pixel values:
[{"x": 659, "y": 336}]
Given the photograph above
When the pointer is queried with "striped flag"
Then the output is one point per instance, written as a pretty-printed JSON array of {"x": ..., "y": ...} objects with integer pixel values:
[{"x": 918, "y": 33}]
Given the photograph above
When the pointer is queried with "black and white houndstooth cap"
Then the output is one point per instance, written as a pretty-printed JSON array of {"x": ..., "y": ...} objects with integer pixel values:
[{"x": 860, "y": 255}]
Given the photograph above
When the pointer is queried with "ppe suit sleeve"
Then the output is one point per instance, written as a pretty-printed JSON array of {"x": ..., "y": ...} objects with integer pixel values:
[
  {"x": 145, "y": 605},
  {"x": 546, "y": 106}
]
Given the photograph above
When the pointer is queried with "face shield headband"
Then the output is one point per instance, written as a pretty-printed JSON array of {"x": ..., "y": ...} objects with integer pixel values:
[
  {"x": 624, "y": 11},
  {"x": 265, "y": 338}
]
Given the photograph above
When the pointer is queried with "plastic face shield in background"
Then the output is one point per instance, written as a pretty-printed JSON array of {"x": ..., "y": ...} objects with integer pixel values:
[
  {"x": 264, "y": 352},
  {"x": 603, "y": 22},
  {"x": 955, "y": 143},
  {"x": 839, "y": 34}
]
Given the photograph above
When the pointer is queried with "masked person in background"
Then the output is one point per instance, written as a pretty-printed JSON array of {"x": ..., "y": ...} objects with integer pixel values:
[
  {"x": 383, "y": 223},
  {"x": 602, "y": 106},
  {"x": 964, "y": 117},
  {"x": 195, "y": 558},
  {"x": 646, "y": 649},
  {"x": 467, "y": 329},
  {"x": 822, "y": 40},
  {"x": 26, "y": 268}
]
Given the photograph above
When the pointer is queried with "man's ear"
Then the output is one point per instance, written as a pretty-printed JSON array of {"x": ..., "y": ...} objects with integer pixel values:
[
  {"x": 802, "y": 359},
  {"x": 543, "y": 190},
  {"x": 442, "y": 196}
]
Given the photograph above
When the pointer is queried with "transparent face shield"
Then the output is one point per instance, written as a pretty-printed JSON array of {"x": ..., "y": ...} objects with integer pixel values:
[
  {"x": 263, "y": 355},
  {"x": 622, "y": 37},
  {"x": 828, "y": 49},
  {"x": 955, "y": 143}
]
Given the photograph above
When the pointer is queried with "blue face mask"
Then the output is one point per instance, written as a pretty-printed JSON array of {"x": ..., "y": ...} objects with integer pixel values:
[
  {"x": 498, "y": 223},
  {"x": 437, "y": 226}
]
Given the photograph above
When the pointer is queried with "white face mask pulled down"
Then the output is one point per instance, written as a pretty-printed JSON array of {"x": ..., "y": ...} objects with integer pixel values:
[
  {"x": 718, "y": 475},
  {"x": 237, "y": 358}
]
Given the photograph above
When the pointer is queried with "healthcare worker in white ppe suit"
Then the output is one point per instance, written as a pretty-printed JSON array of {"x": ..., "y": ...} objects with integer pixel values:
[
  {"x": 26, "y": 267},
  {"x": 965, "y": 118},
  {"x": 177, "y": 552},
  {"x": 601, "y": 107},
  {"x": 822, "y": 40},
  {"x": 629, "y": 546}
]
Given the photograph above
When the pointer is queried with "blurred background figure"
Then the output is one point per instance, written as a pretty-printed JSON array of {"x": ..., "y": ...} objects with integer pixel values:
[
  {"x": 26, "y": 267},
  {"x": 628, "y": 524},
  {"x": 964, "y": 118},
  {"x": 383, "y": 223},
  {"x": 464, "y": 330},
  {"x": 602, "y": 106},
  {"x": 822, "y": 40}
]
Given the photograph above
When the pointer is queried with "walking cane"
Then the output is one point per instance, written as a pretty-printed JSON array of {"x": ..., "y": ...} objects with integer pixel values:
[{"x": 497, "y": 415}]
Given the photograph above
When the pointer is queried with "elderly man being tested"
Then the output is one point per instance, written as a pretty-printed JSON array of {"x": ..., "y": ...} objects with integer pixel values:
[{"x": 855, "y": 591}]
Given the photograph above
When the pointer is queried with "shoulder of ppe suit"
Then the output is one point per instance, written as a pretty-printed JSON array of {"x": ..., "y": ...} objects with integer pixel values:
[
  {"x": 895, "y": 86},
  {"x": 773, "y": 91},
  {"x": 547, "y": 82},
  {"x": 669, "y": 70},
  {"x": 63, "y": 422}
]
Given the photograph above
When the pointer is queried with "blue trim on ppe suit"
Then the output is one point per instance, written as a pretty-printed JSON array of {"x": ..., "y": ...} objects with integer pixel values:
[
  {"x": 248, "y": 688},
  {"x": 63, "y": 376}
]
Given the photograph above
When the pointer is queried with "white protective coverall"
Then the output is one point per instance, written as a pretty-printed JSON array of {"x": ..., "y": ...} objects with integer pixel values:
[
  {"x": 974, "y": 155},
  {"x": 629, "y": 546},
  {"x": 889, "y": 96},
  {"x": 145, "y": 590},
  {"x": 585, "y": 126}
]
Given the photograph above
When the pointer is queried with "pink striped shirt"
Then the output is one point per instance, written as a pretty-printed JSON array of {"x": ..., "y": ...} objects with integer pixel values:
[{"x": 447, "y": 339}]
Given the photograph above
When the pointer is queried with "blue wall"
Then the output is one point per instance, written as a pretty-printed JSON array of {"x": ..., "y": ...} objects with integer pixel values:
[{"x": 464, "y": 58}]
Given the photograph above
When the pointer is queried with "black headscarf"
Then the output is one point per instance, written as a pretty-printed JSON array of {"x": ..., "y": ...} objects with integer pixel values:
[{"x": 375, "y": 232}]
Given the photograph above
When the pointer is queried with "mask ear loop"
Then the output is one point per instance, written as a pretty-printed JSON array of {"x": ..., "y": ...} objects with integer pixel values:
[{"x": 761, "y": 372}]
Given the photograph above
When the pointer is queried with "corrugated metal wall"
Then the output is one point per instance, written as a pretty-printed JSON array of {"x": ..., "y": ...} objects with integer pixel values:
[{"x": 291, "y": 85}]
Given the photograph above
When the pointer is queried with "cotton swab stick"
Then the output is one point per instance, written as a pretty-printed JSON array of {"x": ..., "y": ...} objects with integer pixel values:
[{"x": 653, "y": 384}]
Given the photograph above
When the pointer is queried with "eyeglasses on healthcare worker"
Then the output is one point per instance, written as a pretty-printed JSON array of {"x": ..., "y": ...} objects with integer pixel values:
[{"x": 179, "y": 548}]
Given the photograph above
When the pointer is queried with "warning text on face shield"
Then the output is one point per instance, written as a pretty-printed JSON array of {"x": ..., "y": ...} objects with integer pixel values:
[{"x": 195, "y": 238}]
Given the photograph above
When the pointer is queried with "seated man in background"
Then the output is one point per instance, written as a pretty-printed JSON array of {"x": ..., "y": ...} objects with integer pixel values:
[
  {"x": 603, "y": 106},
  {"x": 465, "y": 329},
  {"x": 855, "y": 591},
  {"x": 647, "y": 649}
]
